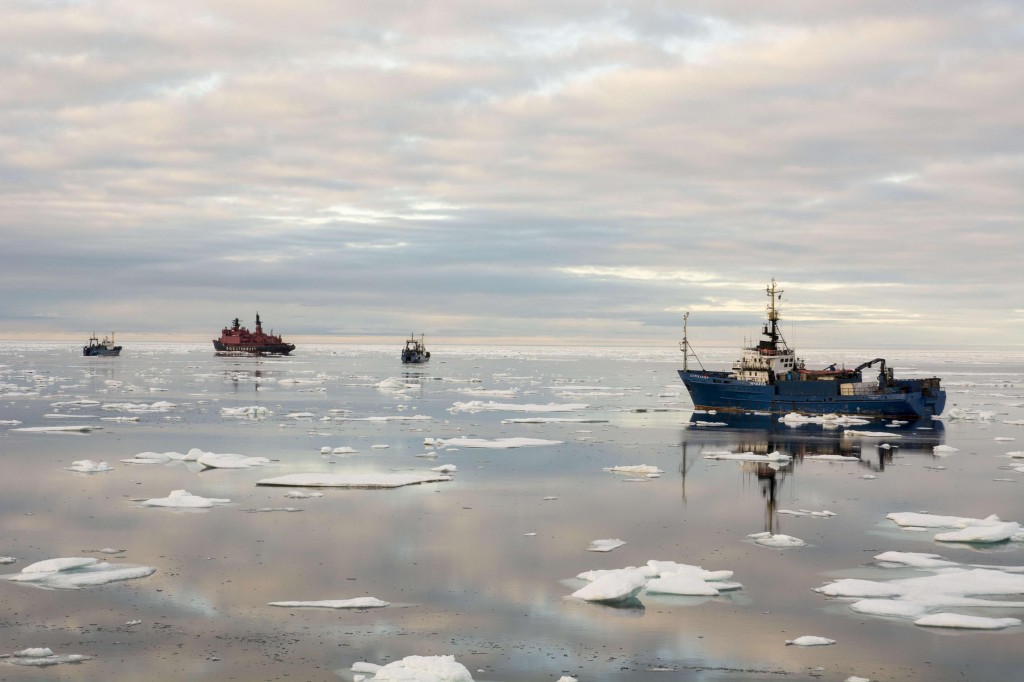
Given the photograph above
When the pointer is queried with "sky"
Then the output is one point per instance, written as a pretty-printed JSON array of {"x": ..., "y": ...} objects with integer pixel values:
[{"x": 502, "y": 173}]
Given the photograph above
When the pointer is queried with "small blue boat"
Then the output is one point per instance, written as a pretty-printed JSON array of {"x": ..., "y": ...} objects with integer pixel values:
[{"x": 770, "y": 378}]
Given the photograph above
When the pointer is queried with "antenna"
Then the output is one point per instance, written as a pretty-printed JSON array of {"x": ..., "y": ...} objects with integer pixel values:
[{"x": 686, "y": 348}]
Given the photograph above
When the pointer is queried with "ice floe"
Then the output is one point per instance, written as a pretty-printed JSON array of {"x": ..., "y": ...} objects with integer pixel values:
[
  {"x": 605, "y": 545},
  {"x": 491, "y": 406},
  {"x": 356, "y": 603},
  {"x": 71, "y": 573},
  {"x": 183, "y": 499},
  {"x": 656, "y": 577},
  {"x": 646, "y": 470},
  {"x": 830, "y": 458},
  {"x": 41, "y": 657},
  {"x": 213, "y": 460},
  {"x": 496, "y": 443},
  {"x": 158, "y": 406},
  {"x": 921, "y": 598},
  {"x": 810, "y": 640},
  {"x": 776, "y": 541},
  {"x": 990, "y": 529},
  {"x": 87, "y": 466},
  {"x": 825, "y": 514},
  {"x": 953, "y": 620},
  {"x": 80, "y": 428},
  {"x": 416, "y": 669},
  {"x": 250, "y": 412},
  {"x": 356, "y": 480},
  {"x": 775, "y": 456},
  {"x": 795, "y": 419}
]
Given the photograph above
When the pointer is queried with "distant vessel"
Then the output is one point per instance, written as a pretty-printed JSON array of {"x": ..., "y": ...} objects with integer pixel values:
[
  {"x": 104, "y": 347},
  {"x": 770, "y": 378},
  {"x": 415, "y": 352},
  {"x": 238, "y": 339}
]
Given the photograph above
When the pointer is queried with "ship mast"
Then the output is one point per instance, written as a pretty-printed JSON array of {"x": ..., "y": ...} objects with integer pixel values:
[{"x": 686, "y": 348}]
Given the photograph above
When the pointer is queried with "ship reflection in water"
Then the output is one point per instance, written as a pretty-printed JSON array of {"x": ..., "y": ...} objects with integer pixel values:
[{"x": 871, "y": 446}]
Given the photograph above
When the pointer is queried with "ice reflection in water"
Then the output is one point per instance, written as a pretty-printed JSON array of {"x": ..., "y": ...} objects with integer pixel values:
[{"x": 480, "y": 567}]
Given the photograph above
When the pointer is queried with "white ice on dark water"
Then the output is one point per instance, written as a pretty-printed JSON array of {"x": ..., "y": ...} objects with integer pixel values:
[
  {"x": 776, "y": 541},
  {"x": 810, "y": 640},
  {"x": 356, "y": 480},
  {"x": 355, "y": 603},
  {"x": 71, "y": 573},
  {"x": 988, "y": 530},
  {"x": 664, "y": 577},
  {"x": 775, "y": 456},
  {"x": 795, "y": 419},
  {"x": 647, "y": 470},
  {"x": 953, "y": 620},
  {"x": 42, "y": 657},
  {"x": 82, "y": 428},
  {"x": 87, "y": 466},
  {"x": 605, "y": 545},
  {"x": 183, "y": 499},
  {"x": 491, "y": 406},
  {"x": 496, "y": 443},
  {"x": 417, "y": 669},
  {"x": 212, "y": 460},
  {"x": 249, "y": 412}
]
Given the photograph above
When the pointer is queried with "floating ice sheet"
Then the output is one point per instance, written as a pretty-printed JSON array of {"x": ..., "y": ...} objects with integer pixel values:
[
  {"x": 811, "y": 640},
  {"x": 183, "y": 499},
  {"x": 356, "y": 480},
  {"x": 356, "y": 603},
  {"x": 605, "y": 545},
  {"x": 72, "y": 573},
  {"x": 496, "y": 443},
  {"x": 87, "y": 466},
  {"x": 491, "y": 406},
  {"x": 417, "y": 669}
]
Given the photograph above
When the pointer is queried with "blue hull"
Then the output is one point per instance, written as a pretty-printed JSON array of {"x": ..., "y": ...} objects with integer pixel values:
[{"x": 717, "y": 391}]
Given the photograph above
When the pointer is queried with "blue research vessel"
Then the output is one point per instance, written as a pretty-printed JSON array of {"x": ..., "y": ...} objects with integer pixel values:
[{"x": 770, "y": 378}]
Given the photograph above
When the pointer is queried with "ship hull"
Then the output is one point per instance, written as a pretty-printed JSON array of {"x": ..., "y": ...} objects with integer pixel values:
[
  {"x": 415, "y": 358},
  {"x": 718, "y": 391},
  {"x": 254, "y": 349},
  {"x": 94, "y": 351}
]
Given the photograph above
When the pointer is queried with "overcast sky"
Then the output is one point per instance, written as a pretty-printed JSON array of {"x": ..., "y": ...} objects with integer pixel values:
[{"x": 509, "y": 172}]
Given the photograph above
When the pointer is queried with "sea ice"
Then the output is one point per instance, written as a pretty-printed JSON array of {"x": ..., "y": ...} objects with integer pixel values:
[
  {"x": 497, "y": 443},
  {"x": 446, "y": 469},
  {"x": 185, "y": 500},
  {"x": 250, "y": 412},
  {"x": 87, "y": 466},
  {"x": 953, "y": 620},
  {"x": 922, "y": 520},
  {"x": 682, "y": 583},
  {"x": 606, "y": 545},
  {"x": 41, "y": 657},
  {"x": 356, "y": 603},
  {"x": 356, "y": 480},
  {"x": 795, "y": 418},
  {"x": 914, "y": 559},
  {"x": 811, "y": 640},
  {"x": 1000, "y": 532},
  {"x": 72, "y": 573},
  {"x": 212, "y": 460},
  {"x": 615, "y": 585},
  {"x": 830, "y": 458},
  {"x": 777, "y": 541},
  {"x": 870, "y": 434},
  {"x": 491, "y": 406},
  {"x": 943, "y": 450},
  {"x": 417, "y": 669},
  {"x": 775, "y": 456},
  {"x": 647, "y": 470},
  {"x": 158, "y": 406},
  {"x": 82, "y": 428}
]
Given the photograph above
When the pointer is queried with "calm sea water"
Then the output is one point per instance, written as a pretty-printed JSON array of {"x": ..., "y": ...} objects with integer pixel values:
[{"x": 481, "y": 567}]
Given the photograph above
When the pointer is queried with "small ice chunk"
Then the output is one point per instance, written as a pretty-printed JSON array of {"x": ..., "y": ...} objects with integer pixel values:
[
  {"x": 954, "y": 620},
  {"x": 811, "y": 640},
  {"x": 605, "y": 545},
  {"x": 87, "y": 466},
  {"x": 499, "y": 443},
  {"x": 890, "y": 607},
  {"x": 418, "y": 669},
  {"x": 212, "y": 460},
  {"x": 615, "y": 585},
  {"x": 302, "y": 494},
  {"x": 915, "y": 559},
  {"x": 446, "y": 469},
  {"x": 356, "y": 603},
  {"x": 34, "y": 652},
  {"x": 778, "y": 541},
  {"x": 62, "y": 564},
  {"x": 647, "y": 470},
  {"x": 184, "y": 499}
]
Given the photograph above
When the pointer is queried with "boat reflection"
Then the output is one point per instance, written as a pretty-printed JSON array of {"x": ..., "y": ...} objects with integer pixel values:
[{"x": 872, "y": 446}]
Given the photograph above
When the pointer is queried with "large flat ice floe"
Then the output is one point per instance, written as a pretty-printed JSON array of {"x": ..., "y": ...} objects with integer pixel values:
[
  {"x": 495, "y": 443},
  {"x": 923, "y": 599},
  {"x": 656, "y": 577},
  {"x": 989, "y": 530},
  {"x": 774, "y": 457},
  {"x": 395, "y": 479},
  {"x": 43, "y": 657},
  {"x": 491, "y": 406},
  {"x": 77, "y": 428},
  {"x": 72, "y": 573},
  {"x": 355, "y": 603}
]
